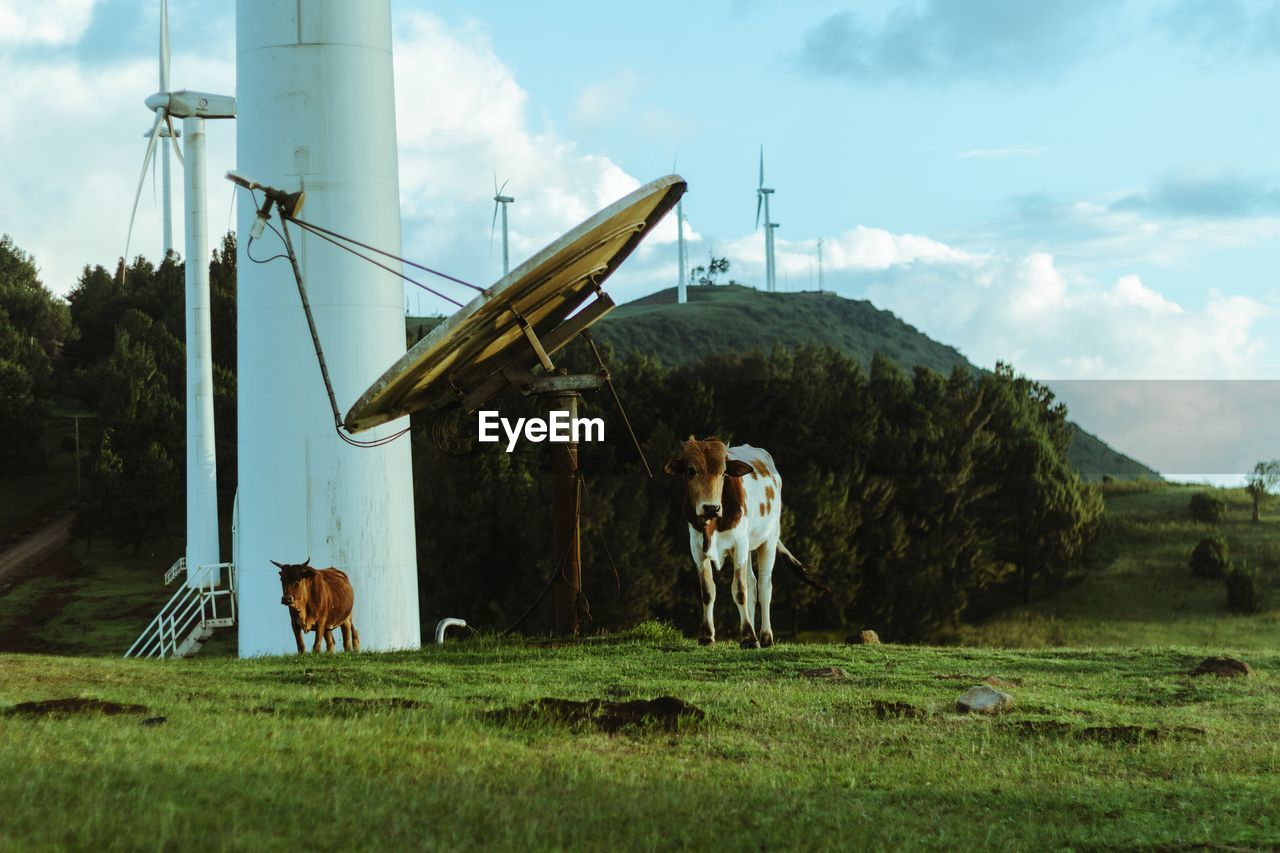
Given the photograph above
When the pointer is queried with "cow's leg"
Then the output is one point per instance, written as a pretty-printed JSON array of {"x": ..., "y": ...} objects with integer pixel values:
[
  {"x": 765, "y": 555},
  {"x": 707, "y": 578},
  {"x": 315, "y": 647},
  {"x": 346, "y": 634},
  {"x": 744, "y": 582},
  {"x": 329, "y": 644},
  {"x": 355, "y": 636},
  {"x": 297, "y": 635}
]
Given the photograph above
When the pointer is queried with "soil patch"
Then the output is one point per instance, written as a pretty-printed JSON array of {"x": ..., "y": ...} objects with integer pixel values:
[
  {"x": 19, "y": 635},
  {"x": 1223, "y": 667},
  {"x": 897, "y": 710},
  {"x": 827, "y": 673},
  {"x": 1100, "y": 734},
  {"x": 664, "y": 712},
  {"x": 73, "y": 705}
]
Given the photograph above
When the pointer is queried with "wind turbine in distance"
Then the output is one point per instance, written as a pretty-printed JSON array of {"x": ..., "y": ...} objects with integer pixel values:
[
  {"x": 820, "y": 288},
  {"x": 762, "y": 200},
  {"x": 202, "y": 484},
  {"x": 682, "y": 295},
  {"x": 500, "y": 200},
  {"x": 157, "y": 132}
]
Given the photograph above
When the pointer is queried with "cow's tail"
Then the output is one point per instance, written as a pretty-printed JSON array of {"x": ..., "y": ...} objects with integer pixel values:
[{"x": 798, "y": 567}]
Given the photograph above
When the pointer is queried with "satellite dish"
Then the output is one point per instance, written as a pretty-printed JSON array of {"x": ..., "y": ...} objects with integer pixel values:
[{"x": 541, "y": 305}]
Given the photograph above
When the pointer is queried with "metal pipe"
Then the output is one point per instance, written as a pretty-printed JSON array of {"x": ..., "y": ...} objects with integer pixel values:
[{"x": 444, "y": 625}]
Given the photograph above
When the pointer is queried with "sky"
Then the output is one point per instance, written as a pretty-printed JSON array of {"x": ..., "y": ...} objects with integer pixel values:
[{"x": 1087, "y": 189}]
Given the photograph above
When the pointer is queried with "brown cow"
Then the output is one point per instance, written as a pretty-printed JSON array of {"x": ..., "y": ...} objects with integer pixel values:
[{"x": 318, "y": 600}]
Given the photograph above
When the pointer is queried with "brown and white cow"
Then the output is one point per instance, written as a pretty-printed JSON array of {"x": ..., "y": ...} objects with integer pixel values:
[
  {"x": 318, "y": 600},
  {"x": 733, "y": 504}
]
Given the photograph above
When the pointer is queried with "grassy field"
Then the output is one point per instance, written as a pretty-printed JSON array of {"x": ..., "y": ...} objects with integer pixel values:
[
  {"x": 1117, "y": 747},
  {"x": 1143, "y": 593},
  {"x": 92, "y": 602},
  {"x": 1111, "y": 742}
]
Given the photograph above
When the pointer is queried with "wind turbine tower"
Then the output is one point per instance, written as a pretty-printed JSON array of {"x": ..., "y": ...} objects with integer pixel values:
[
  {"x": 202, "y": 470},
  {"x": 500, "y": 200},
  {"x": 762, "y": 200},
  {"x": 316, "y": 113},
  {"x": 682, "y": 295},
  {"x": 820, "y": 288}
]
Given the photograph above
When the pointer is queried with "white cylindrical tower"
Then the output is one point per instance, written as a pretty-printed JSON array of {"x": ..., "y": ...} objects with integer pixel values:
[
  {"x": 681, "y": 295},
  {"x": 316, "y": 112},
  {"x": 202, "y": 458}
]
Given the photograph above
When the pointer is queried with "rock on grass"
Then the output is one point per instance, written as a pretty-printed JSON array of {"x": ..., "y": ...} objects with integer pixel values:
[{"x": 983, "y": 700}]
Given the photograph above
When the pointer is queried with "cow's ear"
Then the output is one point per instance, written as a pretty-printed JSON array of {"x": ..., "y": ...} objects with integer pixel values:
[
  {"x": 308, "y": 572},
  {"x": 674, "y": 467},
  {"x": 737, "y": 468}
]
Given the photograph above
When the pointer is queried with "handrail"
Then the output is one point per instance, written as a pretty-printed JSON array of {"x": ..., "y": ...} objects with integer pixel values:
[
  {"x": 189, "y": 609},
  {"x": 179, "y": 567}
]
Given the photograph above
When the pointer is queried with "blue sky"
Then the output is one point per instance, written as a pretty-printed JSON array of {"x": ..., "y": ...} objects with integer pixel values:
[{"x": 1088, "y": 188}]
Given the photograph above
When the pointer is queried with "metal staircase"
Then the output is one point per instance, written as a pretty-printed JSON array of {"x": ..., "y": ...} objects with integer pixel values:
[{"x": 191, "y": 615}]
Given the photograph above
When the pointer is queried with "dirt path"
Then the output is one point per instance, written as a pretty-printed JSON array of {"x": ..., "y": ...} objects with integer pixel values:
[{"x": 37, "y": 547}]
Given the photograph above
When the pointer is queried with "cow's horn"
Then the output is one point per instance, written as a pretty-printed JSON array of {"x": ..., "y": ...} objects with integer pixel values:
[
  {"x": 307, "y": 561},
  {"x": 274, "y": 563}
]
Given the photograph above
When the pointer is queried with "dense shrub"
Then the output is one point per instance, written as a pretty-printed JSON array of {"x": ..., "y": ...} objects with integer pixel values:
[
  {"x": 1208, "y": 508},
  {"x": 1244, "y": 591},
  {"x": 1211, "y": 558}
]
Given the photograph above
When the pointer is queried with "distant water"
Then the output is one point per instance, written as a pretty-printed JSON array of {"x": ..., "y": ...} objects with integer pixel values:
[{"x": 1226, "y": 481}]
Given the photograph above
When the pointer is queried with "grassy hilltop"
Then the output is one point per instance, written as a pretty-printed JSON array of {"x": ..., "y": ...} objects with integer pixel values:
[{"x": 728, "y": 318}]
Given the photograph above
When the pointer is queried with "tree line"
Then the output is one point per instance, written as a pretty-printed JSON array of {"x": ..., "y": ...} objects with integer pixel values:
[{"x": 920, "y": 499}]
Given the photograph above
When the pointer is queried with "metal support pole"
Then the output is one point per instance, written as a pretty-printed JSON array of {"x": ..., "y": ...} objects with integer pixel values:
[{"x": 566, "y": 523}]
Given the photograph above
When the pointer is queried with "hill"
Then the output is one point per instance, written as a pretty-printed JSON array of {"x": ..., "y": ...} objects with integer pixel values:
[
  {"x": 721, "y": 318},
  {"x": 1141, "y": 592}
]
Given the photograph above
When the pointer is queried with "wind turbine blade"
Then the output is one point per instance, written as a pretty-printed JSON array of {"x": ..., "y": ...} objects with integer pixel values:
[
  {"x": 674, "y": 161},
  {"x": 761, "y": 186},
  {"x": 759, "y": 201},
  {"x": 164, "y": 46},
  {"x": 146, "y": 160},
  {"x": 504, "y": 186},
  {"x": 495, "y": 184},
  {"x": 173, "y": 140},
  {"x": 493, "y": 225}
]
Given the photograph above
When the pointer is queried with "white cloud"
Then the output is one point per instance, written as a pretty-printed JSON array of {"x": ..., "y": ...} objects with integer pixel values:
[
  {"x": 68, "y": 191},
  {"x": 1055, "y": 323},
  {"x": 462, "y": 117},
  {"x": 47, "y": 22}
]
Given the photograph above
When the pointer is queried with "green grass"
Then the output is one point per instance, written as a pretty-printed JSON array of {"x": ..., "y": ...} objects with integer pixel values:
[
  {"x": 92, "y": 602},
  {"x": 255, "y": 755},
  {"x": 1143, "y": 594}
]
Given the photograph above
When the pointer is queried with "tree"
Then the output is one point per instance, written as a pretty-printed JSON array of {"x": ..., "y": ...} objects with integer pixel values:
[
  {"x": 1260, "y": 481},
  {"x": 1207, "y": 508},
  {"x": 707, "y": 275},
  {"x": 34, "y": 324},
  {"x": 21, "y": 419}
]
